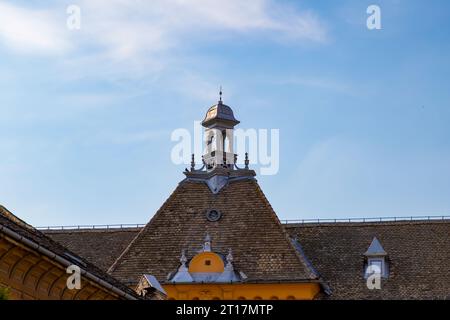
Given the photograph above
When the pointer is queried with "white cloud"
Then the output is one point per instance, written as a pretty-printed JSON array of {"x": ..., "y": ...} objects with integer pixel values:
[
  {"x": 128, "y": 29},
  {"x": 151, "y": 41},
  {"x": 31, "y": 30}
]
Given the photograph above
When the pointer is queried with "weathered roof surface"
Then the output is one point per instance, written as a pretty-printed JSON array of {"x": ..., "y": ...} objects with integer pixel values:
[
  {"x": 99, "y": 246},
  {"x": 261, "y": 247},
  {"x": 418, "y": 254},
  {"x": 13, "y": 223}
]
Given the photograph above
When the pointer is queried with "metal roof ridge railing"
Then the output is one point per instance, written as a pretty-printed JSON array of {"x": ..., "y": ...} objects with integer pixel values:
[
  {"x": 284, "y": 221},
  {"x": 363, "y": 220},
  {"x": 94, "y": 226}
]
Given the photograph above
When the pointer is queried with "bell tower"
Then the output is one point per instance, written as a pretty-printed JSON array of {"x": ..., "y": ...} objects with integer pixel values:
[
  {"x": 219, "y": 123},
  {"x": 219, "y": 159}
]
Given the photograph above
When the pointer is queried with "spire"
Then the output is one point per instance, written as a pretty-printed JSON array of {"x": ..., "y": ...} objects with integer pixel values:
[
  {"x": 246, "y": 160},
  {"x": 229, "y": 259},
  {"x": 207, "y": 245},
  {"x": 220, "y": 95},
  {"x": 192, "y": 162},
  {"x": 229, "y": 275},
  {"x": 183, "y": 259},
  {"x": 182, "y": 274}
]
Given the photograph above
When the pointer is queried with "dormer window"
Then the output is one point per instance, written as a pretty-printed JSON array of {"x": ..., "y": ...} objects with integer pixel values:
[{"x": 376, "y": 260}]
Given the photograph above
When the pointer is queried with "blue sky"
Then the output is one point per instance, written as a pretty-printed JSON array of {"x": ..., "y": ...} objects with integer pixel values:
[{"x": 86, "y": 115}]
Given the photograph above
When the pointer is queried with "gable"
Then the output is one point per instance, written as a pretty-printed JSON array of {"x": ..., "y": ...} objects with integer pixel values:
[{"x": 248, "y": 226}]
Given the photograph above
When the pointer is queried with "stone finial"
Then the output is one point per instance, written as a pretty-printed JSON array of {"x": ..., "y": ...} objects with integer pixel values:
[
  {"x": 207, "y": 245},
  {"x": 183, "y": 274},
  {"x": 246, "y": 160},
  {"x": 229, "y": 259},
  {"x": 192, "y": 162},
  {"x": 183, "y": 259}
]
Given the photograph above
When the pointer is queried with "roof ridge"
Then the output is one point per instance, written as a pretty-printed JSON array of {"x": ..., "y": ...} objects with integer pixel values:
[
  {"x": 365, "y": 224},
  {"x": 11, "y": 216},
  {"x": 92, "y": 229}
]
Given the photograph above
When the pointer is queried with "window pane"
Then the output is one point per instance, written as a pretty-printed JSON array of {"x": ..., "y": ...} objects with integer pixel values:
[{"x": 376, "y": 266}]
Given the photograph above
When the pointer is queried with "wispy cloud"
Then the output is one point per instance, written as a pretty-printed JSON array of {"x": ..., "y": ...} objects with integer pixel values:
[
  {"x": 150, "y": 41},
  {"x": 31, "y": 30},
  {"x": 121, "y": 30}
]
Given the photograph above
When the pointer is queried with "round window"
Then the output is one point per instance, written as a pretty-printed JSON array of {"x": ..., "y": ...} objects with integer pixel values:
[{"x": 213, "y": 215}]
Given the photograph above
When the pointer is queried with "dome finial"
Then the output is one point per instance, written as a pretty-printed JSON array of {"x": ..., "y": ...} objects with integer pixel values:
[{"x": 220, "y": 95}]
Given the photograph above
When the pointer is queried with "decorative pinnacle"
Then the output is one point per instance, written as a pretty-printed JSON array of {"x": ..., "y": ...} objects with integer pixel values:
[
  {"x": 183, "y": 259},
  {"x": 192, "y": 162},
  {"x": 207, "y": 245},
  {"x": 229, "y": 257},
  {"x": 220, "y": 95},
  {"x": 246, "y": 160}
]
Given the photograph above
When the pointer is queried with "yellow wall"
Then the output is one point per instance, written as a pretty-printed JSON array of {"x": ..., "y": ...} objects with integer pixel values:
[
  {"x": 248, "y": 291},
  {"x": 206, "y": 262}
]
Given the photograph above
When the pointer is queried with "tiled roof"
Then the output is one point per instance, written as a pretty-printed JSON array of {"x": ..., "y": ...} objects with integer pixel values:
[
  {"x": 99, "y": 246},
  {"x": 13, "y": 223},
  {"x": 418, "y": 254},
  {"x": 261, "y": 247}
]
